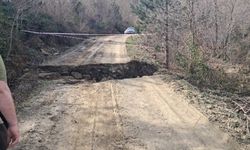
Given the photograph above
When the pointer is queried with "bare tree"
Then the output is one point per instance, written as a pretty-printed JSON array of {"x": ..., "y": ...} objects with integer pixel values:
[{"x": 216, "y": 8}]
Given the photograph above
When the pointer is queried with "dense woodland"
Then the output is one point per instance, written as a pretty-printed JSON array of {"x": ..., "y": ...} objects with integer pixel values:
[
  {"x": 204, "y": 42},
  {"x": 219, "y": 27},
  {"x": 88, "y": 16},
  {"x": 202, "y": 39},
  {"x": 205, "y": 39},
  {"x": 85, "y": 16}
]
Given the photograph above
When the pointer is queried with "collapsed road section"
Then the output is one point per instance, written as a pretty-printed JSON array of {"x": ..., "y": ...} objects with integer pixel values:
[
  {"x": 100, "y": 72},
  {"x": 130, "y": 114}
]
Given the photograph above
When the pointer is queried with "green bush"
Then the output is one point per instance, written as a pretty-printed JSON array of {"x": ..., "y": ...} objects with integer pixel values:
[{"x": 182, "y": 61}]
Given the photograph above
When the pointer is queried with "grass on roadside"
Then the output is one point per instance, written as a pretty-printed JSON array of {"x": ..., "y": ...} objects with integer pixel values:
[{"x": 137, "y": 51}]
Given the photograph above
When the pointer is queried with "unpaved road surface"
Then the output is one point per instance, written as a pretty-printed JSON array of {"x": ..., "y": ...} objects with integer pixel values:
[
  {"x": 104, "y": 50},
  {"x": 130, "y": 114}
]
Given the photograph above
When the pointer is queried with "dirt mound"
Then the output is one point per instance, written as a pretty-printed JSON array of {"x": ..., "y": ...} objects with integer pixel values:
[{"x": 102, "y": 72}]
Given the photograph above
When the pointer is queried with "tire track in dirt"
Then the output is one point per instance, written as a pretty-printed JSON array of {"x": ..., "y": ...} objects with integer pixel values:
[
  {"x": 118, "y": 116},
  {"x": 116, "y": 108},
  {"x": 157, "y": 118},
  {"x": 94, "y": 126},
  {"x": 108, "y": 129},
  {"x": 105, "y": 50},
  {"x": 189, "y": 119},
  {"x": 131, "y": 114},
  {"x": 113, "y": 51},
  {"x": 92, "y": 52},
  {"x": 85, "y": 124}
]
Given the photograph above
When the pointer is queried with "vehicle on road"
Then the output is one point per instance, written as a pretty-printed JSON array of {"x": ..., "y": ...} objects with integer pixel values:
[{"x": 130, "y": 30}]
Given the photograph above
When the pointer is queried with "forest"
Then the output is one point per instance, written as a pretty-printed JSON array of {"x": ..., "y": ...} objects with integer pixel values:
[
  {"x": 199, "y": 49},
  {"x": 85, "y": 16},
  {"x": 204, "y": 40}
]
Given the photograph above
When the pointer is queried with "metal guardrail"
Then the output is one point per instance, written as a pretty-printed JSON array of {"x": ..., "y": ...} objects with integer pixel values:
[{"x": 66, "y": 34}]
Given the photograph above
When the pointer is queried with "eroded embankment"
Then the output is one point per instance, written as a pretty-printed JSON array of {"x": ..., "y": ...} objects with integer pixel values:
[{"x": 99, "y": 72}]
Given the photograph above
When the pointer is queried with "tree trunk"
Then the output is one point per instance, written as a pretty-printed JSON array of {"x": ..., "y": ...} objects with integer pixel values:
[
  {"x": 192, "y": 22},
  {"x": 11, "y": 33},
  {"x": 216, "y": 27},
  {"x": 166, "y": 35}
]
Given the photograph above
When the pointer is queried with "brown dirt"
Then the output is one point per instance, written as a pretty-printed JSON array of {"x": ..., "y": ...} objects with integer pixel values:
[
  {"x": 104, "y": 50},
  {"x": 129, "y": 114}
]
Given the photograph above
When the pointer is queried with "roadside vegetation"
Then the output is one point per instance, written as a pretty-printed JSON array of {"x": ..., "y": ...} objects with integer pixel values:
[
  {"x": 21, "y": 50},
  {"x": 206, "y": 44},
  {"x": 227, "y": 108},
  {"x": 200, "y": 40},
  {"x": 202, "y": 43}
]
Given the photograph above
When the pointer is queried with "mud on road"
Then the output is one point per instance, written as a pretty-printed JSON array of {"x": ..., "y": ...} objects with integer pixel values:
[{"x": 126, "y": 114}]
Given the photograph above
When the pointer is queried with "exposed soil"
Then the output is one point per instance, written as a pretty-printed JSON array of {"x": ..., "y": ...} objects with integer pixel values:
[
  {"x": 105, "y": 50},
  {"x": 100, "y": 72},
  {"x": 229, "y": 111},
  {"x": 127, "y": 114},
  {"x": 140, "y": 113}
]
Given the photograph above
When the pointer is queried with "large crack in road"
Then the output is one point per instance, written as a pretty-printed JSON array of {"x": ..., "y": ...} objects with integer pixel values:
[
  {"x": 100, "y": 72},
  {"x": 127, "y": 114}
]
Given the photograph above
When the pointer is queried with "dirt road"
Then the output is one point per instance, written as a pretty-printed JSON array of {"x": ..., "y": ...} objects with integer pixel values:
[
  {"x": 130, "y": 114},
  {"x": 104, "y": 50}
]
